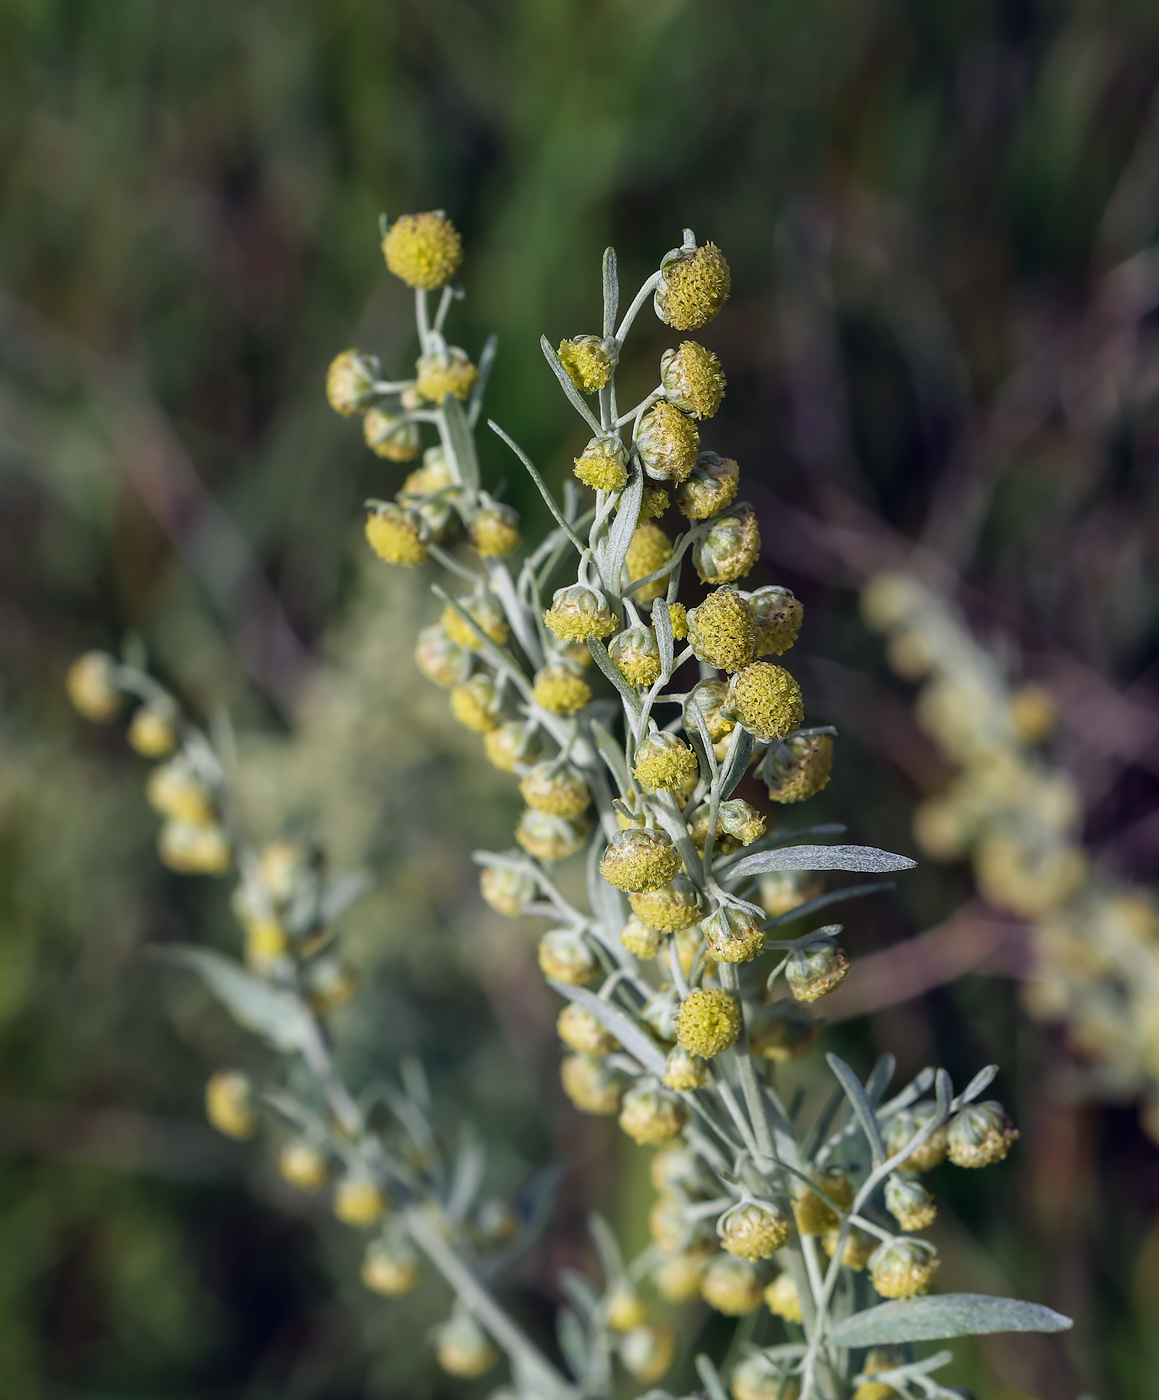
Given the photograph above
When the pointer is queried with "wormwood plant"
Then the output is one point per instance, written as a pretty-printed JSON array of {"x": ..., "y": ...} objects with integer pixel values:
[{"x": 688, "y": 979}]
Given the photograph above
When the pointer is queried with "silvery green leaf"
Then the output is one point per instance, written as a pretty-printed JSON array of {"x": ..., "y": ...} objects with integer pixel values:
[
  {"x": 613, "y": 756},
  {"x": 572, "y": 1342},
  {"x": 611, "y": 292},
  {"x": 533, "y": 472},
  {"x": 945, "y": 1315},
  {"x": 579, "y": 1291},
  {"x": 855, "y": 1092},
  {"x": 607, "y": 666},
  {"x": 711, "y": 1378},
  {"x": 619, "y": 537},
  {"x": 340, "y": 893},
  {"x": 814, "y": 906},
  {"x": 978, "y": 1085},
  {"x": 607, "y": 904},
  {"x": 461, "y": 443},
  {"x": 821, "y": 858},
  {"x": 470, "y": 1162},
  {"x": 611, "y": 1260},
  {"x": 738, "y": 762},
  {"x": 277, "y": 1016},
  {"x": 879, "y": 1079},
  {"x": 662, "y": 622},
  {"x": 630, "y": 1036},
  {"x": 943, "y": 1093}
]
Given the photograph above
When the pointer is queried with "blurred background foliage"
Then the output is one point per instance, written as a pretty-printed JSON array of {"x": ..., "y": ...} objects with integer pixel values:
[{"x": 924, "y": 207}]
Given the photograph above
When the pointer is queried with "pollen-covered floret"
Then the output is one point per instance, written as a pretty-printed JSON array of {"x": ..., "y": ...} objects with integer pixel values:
[
  {"x": 650, "y": 1117},
  {"x": 729, "y": 549},
  {"x": 635, "y": 654},
  {"x": 394, "y": 438},
  {"x": 903, "y": 1268},
  {"x": 424, "y": 250},
  {"x": 799, "y": 768},
  {"x": 396, "y": 536},
  {"x": 667, "y": 441},
  {"x": 591, "y": 1084},
  {"x": 640, "y": 940},
  {"x": 684, "y": 1071},
  {"x": 578, "y": 612},
  {"x": 813, "y": 1212},
  {"x": 755, "y": 1229},
  {"x": 721, "y": 631},
  {"x": 445, "y": 372},
  {"x": 980, "y": 1134},
  {"x": 670, "y": 908},
  {"x": 494, "y": 530},
  {"x": 766, "y": 700},
  {"x": 778, "y": 615},
  {"x": 741, "y": 820},
  {"x": 732, "y": 1286},
  {"x": 694, "y": 285},
  {"x": 507, "y": 891},
  {"x": 910, "y": 1204},
  {"x": 693, "y": 379},
  {"x": 710, "y": 489},
  {"x": 475, "y": 704},
  {"x": 638, "y": 860},
  {"x": 653, "y": 503},
  {"x": 733, "y": 935},
  {"x": 439, "y": 658},
  {"x": 350, "y": 382},
  {"x": 678, "y": 616},
  {"x": 664, "y": 762},
  {"x": 649, "y": 549},
  {"x": 557, "y": 788},
  {"x": 484, "y": 610},
  {"x": 603, "y": 464},
  {"x": 708, "y": 1022},
  {"x": 560, "y": 688},
  {"x": 566, "y": 956},
  {"x": 583, "y": 1032},
  {"x": 550, "y": 838},
  {"x": 588, "y": 360}
]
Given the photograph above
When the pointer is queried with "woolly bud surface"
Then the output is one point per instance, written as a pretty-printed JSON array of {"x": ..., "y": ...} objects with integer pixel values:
[
  {"x": 708, "y": 1022},
  {"x": 729, "y": 549},
  {"x": 782, "y": 1300},
  {"x": 733, "y": 935},
  {"x": 565, "y": 956},
  {"x": 556, "y": 788},
  {"x": 640, "y": 940},
  {"x": 711, "y": 488},
  {"x": 638, "y": 860},
  {"x": 603, "y": 464},
  {"x": 424, "y": 250},
  {"x": 445, "y": 372},
  {"x": 684, "y": 1071},
  {"x": 979, "y": 1135},
  {"x": 560, "y": 688},
  {"x": 721, "y": 631},
  {"x": 636, "y": 655},
  {"x": 667, "y": 441},
  {"x": 590, "y": 1084},
  {"x": 440, "y": 659},
  {"x": 647, "y": 1352},
  {"x": 730, "y": 1285},
  {"x": 800, "y": 768},
  {"x": 693, "y": 379},
  {"x": 766, "y": 700},
  {"x": 755, "y": 1230},
  {"x": 584, "y": 1033},
  {"x": 815, "y": 974},
  {"x": 670, "y": 908},
  {"x": 651, "y": 1118},
  {"x": 578, "y": 612},
  {"x": 494, "y": 531},
  {"x": 903, "y": 1268},
  {"x": 778, "y": 614},
  {"x": 588, "y": 361},
  {"x": 694, "y": 285},
  {"x": 664, "y": 762},
  {"x": 350, "y": 382},
  {"x": 550, "y": 838},
  {"x": 395, "y": 535},
  {"x": 391, "y": 437}
]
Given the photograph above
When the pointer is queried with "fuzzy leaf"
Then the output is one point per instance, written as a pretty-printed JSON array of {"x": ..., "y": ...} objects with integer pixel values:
[
  {"x": 945, "y": 1315},
  {"x": 462, "y": 443},
  {"x": 630, "y": 1036},
  {"x": 277, "y": 1016},
  {"x": 820, "y": 858},
  {"x": 614, "y": 549},
  {"x": 608, "y": 667},
  {"x": 855, "y": 1093},
  {"x": 738, "y": 763},
  {"x": 978, "y": 1085},
  {"x": 662, "y": 622}
]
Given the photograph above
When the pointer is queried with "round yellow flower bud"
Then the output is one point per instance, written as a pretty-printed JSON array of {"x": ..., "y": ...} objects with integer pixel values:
[
  {"x": 649, "y": 549},
  {"x": 785, "y": 890},
  {"x": 445, "y": 372},
  {"x": 741, "y": 820},
  {"x": 910, "y": 1204},
  {"x": 664, "y": 762},
  {"x": 396, "y": 536},
  {"x": 759, "y": 1378},
  {"x": 903, "y": 1268},
  {"x": 390, "y": 1268},
  {"x": 388, "y": 436},
  {"x": 557, "y": 788},
  {"x": 560, "y": 688},
  {"x": 678, "y": 616},
  {"x": 359, "y": 1201},
  {"x": 671, "y": 1229},
  {"x": 507, "y": 891},
  {"x": 91, "y": 686},
  {"x": 670, "y": 908},
  {"x": 813, "y": 1211},
  {"x": 799, "y": 768},
  {"x": 708, "y": 1022},
  {"x": 330, "y": 984},
  {"x": 487, "y": 614},
  {"x": 583, "y": 1032},
  {"x": 1033, "y": 715},
  {"x": 603, "y": 464},
  {"x": 434, "y": 477},
  {"x": 651, "y": 1118},
  {"x": 979, "y": 1135},
  {"x": 766, "y": 700},
  {"x": 578, "y": 612},
  {"x": 550, "y": 838},
  {"x": 693, "y": 379},
  {"x": 733, "y": 935},
  {"x": 566, "y": 956},
  {"x": 730, "y": 1285},
  {"x": 463, "y": 1349},
  {"x": 623, "y": 1307},
  {"x": 711, "y": 488},
  {"x": 175, "y": 790},
  {"x": 729, "y": 549},
  {"x": 494, "y": 531},
  {"x": 230, "y": 1105},
  {"x": 635, "y": 654},
  {"x": 694, "y": 285},
  {"x": 684, "y": 1071},
  {"x": 709, "y": 699},
  {"x": 152, "y": 731},
  {"x": 677, "y": 1275},
  {"x": 475, "y": 704},
  {"x": 817, "y": 973},
  {"x": 755, "y": 1230},
  {"x": 667, "y": 441},
  {"x": 638, "y": 860},
  {"x": 647, "y": 1352},
  {"x": 591, "y": 1085},
  {"x": 653, "y": 504},
  {"x": 722, "y": 843},
  {"x": 875, "y": 1390},
  {"x": 783, "y": 1032},
  {"x": 194, "y": 848},
  {"x": 640, "y": 940},
  {"x": 424, "y": 250},
  {"x": 904, "y": 1127},
  {"x": 722, "y": 633},
  {"x": 781, "y": 1299},
  {"x": 778, "y": 615},
  {"x": 350, "y": 382},
  {"x": 302, "y": 1164},
  {"x": 512, "y": 743},
  {"x": 859, "y": 1247},
  {"x": 589, "y": 361},
  {"x": 439, "y": 658},
  {"x": 265, "y": 944}
]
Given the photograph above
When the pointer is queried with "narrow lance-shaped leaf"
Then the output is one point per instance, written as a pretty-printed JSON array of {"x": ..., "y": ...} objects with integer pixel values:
[
  {"x": 630, "y": 1036},
  {"x": 944, "y": 1315},
  {"x": 277, "y": 1016},
  {"x": 619, "y": 537},
  {"x": 979, "y": 1084},
  {"x": 607, "y": 666},
  {"x": 855, "y": 1092},
  {"x": 462, "y": 444},
  {"x": 738, "y": 763},
  {"x": 866, "y": 858},
  {"x": 662, "y": 622}
]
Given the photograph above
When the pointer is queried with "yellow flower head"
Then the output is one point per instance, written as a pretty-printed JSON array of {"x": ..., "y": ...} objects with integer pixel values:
[
  {"x": 684, "y": 1071},
  {"x": 578, "y": 612},
  {"x": 755, "y": 1230},
  {"x": 817, "y": 973},
  {"x": 512, "y": 743},
  {"x": 494, "y": 531},
  {"x": 396, "y": 536},
  {"x": 603, "y": 464},
  {"x": 711, "y": 488},
  {"x": 359, "y": 1201},
  {"x": 637, "y": 860},
  {"x": 692, "y": 379},
  {"x": 708, "y": 1022},
  {"x": 766, "y": 700},
  {"x": 566, "y": 956},
  {"x": 650, "y": 1117},
  {"x": 636, "y": 655},
  {"x": 152, "y": 731},
  {"x": 799, "y": 768},
  {"x": 903, "y": 1268},
  {"x": 741, "y": 820},
  {"x": 648, "y": 1351},
  {"x": 433, "y": 476},
  {"x": 229, "y": 1104},
  {"x": 640, "y": 940},
  {"x": 778, "y": 615},
  {"x": 759, "y": 1378},
  {"x": 439, "y": 658},
  {"x": 588, "y": 361},
  {"x": 462, "y": 1347},
  {"x": 590, "y": 1084},
  {"x": 782, "y": 1300},
  {"x": 653, "y": 504},
  {"x": 733, "y": 935},
  {"x": 350, "y": 382},
  {"x": 650, "y": 549},
  {"x": 664, "y": 762},
  {"x": 302, "y": 1164},
  {"x": 667, "y": 441},
  {"x": 729, "y": 549},
  {"x": 678, "y": 616},
  {"x": 557, "y": 788},
  {"x": 814, "y": 1213},
  {"x": 445, "y": 372},
  {"x": 550, "y": 838},
  {"x": 910, "y": 1204},
  {"x": 560, "y": 688},
  {"x": 859, "y": 1246},
  {"x": 623, "y": 1307},
  {"x": 722, "y": 633},
  {"x": 391, "y": 437},
  {"x": 980, "y": 1134},
  {"x": 194, "y": 848},
  {"x": 475, "y": 704},
  {"x": 92, "y": 687},
  {"x": 485, "y": 611},
  {"x": 390, "y": 1268},
  {"x": 507, "y": 891},
  {"x": 694, "y": 285},
  {"x": 670, "y": 908},
  {"x": 424, "y": 250},
  {"x": 905, "y": 1126},
  {"x": 677, "y": 1275},
  {"x": 583, "y": 1032},
  {"x": 732, "y": 1286}
]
